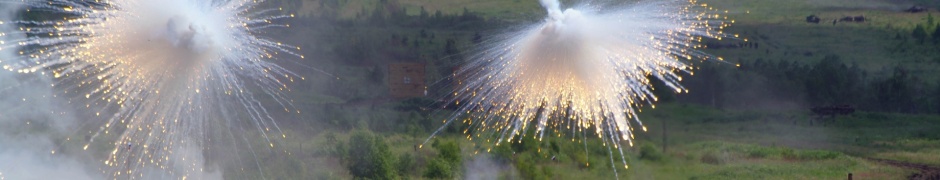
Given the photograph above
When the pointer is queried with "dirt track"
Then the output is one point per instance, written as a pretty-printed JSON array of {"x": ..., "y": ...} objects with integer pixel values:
[{"x": 926, "y": 172}]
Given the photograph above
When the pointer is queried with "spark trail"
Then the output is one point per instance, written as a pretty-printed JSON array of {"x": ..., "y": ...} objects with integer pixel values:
[
  {"x": 584, "y": 71},
  {"x": 159, "y": 73}
]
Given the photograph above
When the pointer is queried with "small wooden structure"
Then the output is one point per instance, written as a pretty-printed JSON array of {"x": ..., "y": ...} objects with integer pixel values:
[{"x": 407, "y": 80}]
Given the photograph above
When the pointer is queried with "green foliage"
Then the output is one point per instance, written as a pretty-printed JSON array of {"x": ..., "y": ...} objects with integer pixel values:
[
  {"x": 650, "y": 152},
  {"x": 930, "y": 21},
  {"x": 833, "y": 82},
  {"x": 368, "y": 156},
  {"x": 335, "y": 147},
  {"x": 935, "y": 36},
  {"x": 447, "y": 162},
  {"x": 553, "y": 144},
  {"x": 817, "y": 155},
  {"x": 720, "y": 153},
  {"x": 448, "y": 150},
  {"x": 920, "y": 33},
  {"x": 438, "y": 168},
  {"x": 529, "y": 143},
  {"x": 788, "y": 154},
  {"x": 503, "y": 151},
  {"x": 530, "y": 169},
  {"x": 897, "y": 93},
  {"x": 406, "y": 164},
  {"x": 828, "y": 82},
  {"x": 936, "y": 98},
  {"x": 760, "y": 152},
  {"x": 582, "y": 159}
]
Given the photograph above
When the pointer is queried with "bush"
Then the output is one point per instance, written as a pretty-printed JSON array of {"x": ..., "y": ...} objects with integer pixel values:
[
  {"x": 529, "y": 143},
  {"x": 406, "y": 164},
  {"x": 368, "y": 156},
  {"x": 649, "y": 152},
  {"x": 529, "y": 168},
  {"x": 449, "y": 150},
  {"x": 438, "y": 168},
  {"x": 502, "y": 151}
]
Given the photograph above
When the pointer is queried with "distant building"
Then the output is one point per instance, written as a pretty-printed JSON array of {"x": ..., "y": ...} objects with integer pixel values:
[{"x": 407, "y": 80}]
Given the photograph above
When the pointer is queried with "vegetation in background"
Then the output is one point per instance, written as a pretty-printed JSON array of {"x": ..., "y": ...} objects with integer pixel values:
[
  {"x": 368, "y": 156},
  {"x": 447, "y": 163},
  {"x": 747, "y": 122}
]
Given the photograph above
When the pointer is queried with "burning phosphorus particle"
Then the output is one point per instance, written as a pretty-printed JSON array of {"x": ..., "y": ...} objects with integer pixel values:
[
  {"x": 584, "y": 70},
  {"x": 155, "y": 70}
]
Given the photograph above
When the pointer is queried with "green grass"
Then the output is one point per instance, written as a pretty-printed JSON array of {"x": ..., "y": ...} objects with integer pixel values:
[
  {"x": 918, "y": 151},
  {"x": 722, "y": 160},
  {"x": 702, "y": 143}
]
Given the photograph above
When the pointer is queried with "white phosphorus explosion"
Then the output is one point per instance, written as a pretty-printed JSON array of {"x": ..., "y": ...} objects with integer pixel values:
[
  {"x": 159, "y": 72},
  {"x": 583, "y": 70}
]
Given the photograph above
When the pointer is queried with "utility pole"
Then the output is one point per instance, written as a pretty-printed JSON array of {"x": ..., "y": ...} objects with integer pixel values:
[{"x": 664, "y": 136}]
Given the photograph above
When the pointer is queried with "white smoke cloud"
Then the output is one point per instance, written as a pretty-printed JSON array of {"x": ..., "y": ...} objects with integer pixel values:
[
  {"x": 182, "y": 32},
  {"x": 188, "y": 160},
  {"x": 484, "y": 166},
  {"x": 35, "y": 122},
  {"x": 553, "y": 7},
  {"x": 31, "y": 120},
  {"x": 29, "y": 156},
  {"x": 550, "y": 4}
]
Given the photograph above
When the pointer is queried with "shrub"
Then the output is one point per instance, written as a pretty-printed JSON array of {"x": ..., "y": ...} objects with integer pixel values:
[
  {"x": 438, "y": 168},
  {"x": 406, "y": 164},
  {"x": 449, "y": 150},
  {"x": 649, "y": 152},
  {"x": 529, "y": 168},
  {"x": 368, "y": 156}
]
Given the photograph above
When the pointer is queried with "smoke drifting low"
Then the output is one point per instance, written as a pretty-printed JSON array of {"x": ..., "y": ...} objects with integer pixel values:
[
  {"x": 31, "y": 121},
  {"x": 486, "y": 167},
  {"x": 29, "y": 156}
]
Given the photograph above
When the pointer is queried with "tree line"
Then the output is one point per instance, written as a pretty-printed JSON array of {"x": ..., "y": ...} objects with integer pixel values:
[{"x": 829, "y": 82}]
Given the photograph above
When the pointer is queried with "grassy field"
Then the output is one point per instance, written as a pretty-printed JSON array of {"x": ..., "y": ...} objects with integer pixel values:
[
  {"x": 783, "y": 33},
  {"x": 700, "y": 143}
]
